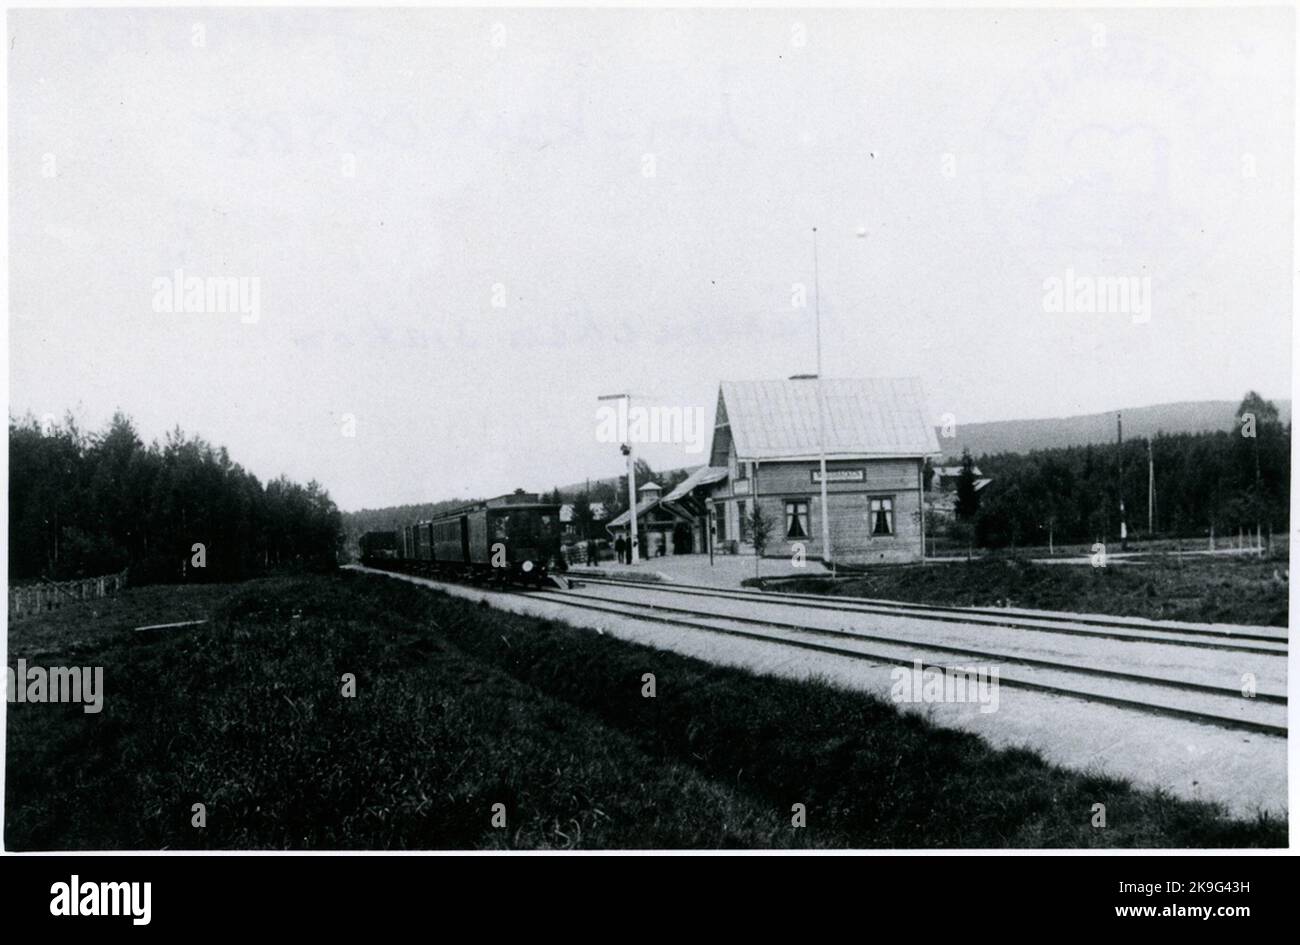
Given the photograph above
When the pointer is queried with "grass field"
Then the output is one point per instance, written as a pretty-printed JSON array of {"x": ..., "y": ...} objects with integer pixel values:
[
  {"x": 1227, "y": 589},
  {"x": 459, "y": 707}
]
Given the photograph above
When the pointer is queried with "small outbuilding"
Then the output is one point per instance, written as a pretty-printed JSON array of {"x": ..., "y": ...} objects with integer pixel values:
[{"x": 659, "y": 525}]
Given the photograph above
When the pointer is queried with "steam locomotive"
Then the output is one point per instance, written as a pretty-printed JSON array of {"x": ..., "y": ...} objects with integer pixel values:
[{"x": 510, "y": 539}]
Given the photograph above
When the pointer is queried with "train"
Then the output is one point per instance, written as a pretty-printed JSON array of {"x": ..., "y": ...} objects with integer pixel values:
[
  {"x": 376, "y": 545},
  {"x": 511, "y": 539}
]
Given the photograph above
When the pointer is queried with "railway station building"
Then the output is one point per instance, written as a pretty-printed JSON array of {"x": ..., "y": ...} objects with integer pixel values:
[
  {"x": 674, "y": 522},
  {"x": 767, "y": 442},
  {"x": 663, "y": 528}
]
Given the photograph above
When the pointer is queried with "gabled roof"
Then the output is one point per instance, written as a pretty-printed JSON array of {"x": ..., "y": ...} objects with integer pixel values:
[
  {"x": 643, "y": 509},
  {"x": 865, "y": 417},
  {"x": 625, "y": 517}
]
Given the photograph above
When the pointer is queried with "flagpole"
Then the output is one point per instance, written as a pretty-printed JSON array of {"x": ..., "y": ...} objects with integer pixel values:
[{"x": 827, "y": 558}]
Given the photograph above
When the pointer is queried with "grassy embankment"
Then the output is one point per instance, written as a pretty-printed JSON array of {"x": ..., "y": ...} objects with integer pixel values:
[
  {"x": 1225, "y": 589},
  {"x": 460, "y": 707}
]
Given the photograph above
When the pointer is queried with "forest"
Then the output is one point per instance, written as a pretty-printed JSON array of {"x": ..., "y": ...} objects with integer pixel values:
[
  {"x": 1230, "y": 481},
  {"x": 85, "y": 504}
]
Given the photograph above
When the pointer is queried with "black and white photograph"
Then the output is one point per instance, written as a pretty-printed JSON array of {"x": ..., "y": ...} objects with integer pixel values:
[{"x": 763, "y": 429}]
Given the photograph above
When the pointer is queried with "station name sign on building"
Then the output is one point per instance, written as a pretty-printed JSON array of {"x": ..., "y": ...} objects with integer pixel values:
[{"x": 839, "y": 475}]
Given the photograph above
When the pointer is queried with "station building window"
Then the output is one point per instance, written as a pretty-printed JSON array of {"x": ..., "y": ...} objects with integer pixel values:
[
  {"x": 796, "y": 518},
  {"x": 882, "y": 516}
]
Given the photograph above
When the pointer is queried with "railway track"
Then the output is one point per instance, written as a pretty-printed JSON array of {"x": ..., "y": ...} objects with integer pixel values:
[
  {"x": 1215, "y": 706},
  {"x": 1131, "y": 631},
  {"x": 1220, "y": 706}
]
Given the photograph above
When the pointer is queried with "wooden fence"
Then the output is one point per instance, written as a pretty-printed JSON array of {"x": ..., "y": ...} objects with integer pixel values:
[{"x": 51, "y": 595}]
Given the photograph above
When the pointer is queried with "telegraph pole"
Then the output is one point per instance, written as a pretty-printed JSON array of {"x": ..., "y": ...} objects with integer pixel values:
[
  {"x": 1258, "y": 493},
  {"x": 1151, "y": 489},
  {"x": 1123, "y": 525}
]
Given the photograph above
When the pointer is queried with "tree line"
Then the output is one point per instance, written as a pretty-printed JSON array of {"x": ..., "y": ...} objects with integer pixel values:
[
  {"x": 87, "y": 504},
  {"x": 1228, "y": 481}
]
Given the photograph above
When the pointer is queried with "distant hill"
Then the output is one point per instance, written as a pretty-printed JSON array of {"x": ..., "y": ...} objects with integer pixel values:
[{"x": 1021, "y": 436}]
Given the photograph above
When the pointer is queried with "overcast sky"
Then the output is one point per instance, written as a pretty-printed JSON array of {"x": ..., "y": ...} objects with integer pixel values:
[{"x": 466, "y": 225}]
